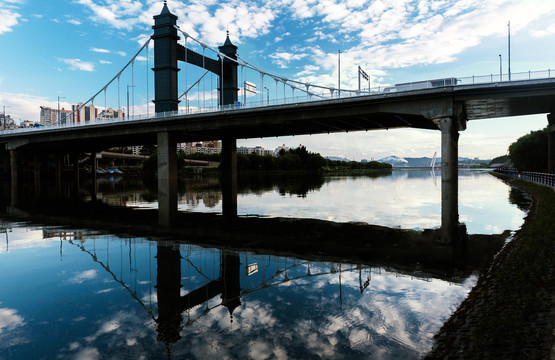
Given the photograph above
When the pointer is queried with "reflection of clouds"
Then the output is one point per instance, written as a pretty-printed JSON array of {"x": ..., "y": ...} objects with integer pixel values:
[
  {"x": 81, "y": 276},
  {"x": 11, "y": 328},
  {"x": 88, "y": 353},
  {"x": 407, "y": 199},
  {"x": 9, "y": 320},
  {"x": 123, "y": 334},
  {"x": 104, "y": 291},
  {"x": 21, "y": 238}
]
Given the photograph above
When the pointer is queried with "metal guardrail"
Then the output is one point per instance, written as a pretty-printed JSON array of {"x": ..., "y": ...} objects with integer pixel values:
[
  {"x": 542, "y": 178},
  {"x": 399, "y": 88}
]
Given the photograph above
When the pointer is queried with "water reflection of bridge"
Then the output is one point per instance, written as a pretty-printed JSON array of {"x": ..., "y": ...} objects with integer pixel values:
[{"x": 187, "y": 277}]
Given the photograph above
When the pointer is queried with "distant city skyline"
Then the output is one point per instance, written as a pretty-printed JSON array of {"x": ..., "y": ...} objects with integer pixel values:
[{"x": 67, "y": 50}]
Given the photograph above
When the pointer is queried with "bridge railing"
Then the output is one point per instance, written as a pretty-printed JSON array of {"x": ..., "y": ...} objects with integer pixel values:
[
  {"x": 187, "y": 109},
  {"x": 542, "y": 178}
]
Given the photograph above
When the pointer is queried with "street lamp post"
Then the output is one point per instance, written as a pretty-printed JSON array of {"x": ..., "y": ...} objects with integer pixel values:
[
  {"x": 338, "y": 73},
  {"x": 59, "y": 117},
  {"x": 267, "y": 95},
  {"x": 509, "y": 43},
  {"x": 500, "y": 68}
]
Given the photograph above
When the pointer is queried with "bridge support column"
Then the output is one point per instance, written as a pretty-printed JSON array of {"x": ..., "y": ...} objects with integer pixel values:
[
  {"x": 167, "y": 179},
  {"x": 36, "y": 173},
  {"x": 58, "y": 173},
  {"x": 75, "y": 161},
  {"x": 449, "y": 177},
  {"x": 229, "y": 184},
  {"x": 94, "y": 168},
  {"x": 6, "y": 164},
  {"x": 551, "y": 143},
  {"x": 13, "y": 176}
]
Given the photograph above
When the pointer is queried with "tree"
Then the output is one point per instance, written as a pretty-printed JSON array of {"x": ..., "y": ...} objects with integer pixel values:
[{"x": 529, "y": 152}]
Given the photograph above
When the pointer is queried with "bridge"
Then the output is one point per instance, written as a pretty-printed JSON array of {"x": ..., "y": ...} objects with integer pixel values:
[{"x": 445, "y": 105}]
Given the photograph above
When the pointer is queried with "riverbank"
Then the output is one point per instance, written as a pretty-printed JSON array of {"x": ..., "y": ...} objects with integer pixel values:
[{"x": 510, "y": 313}]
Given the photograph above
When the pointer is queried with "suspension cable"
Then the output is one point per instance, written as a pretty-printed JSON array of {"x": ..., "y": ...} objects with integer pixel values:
[
  {"x": 133, "y": 87},
  {"x": 147, "y": 95}
]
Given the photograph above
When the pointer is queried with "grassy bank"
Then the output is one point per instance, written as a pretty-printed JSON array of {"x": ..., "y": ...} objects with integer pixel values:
[{"x": 508, "y": 314}]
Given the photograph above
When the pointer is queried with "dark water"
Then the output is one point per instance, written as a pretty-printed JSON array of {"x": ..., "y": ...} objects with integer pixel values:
[{"x": 79, "y": 294}]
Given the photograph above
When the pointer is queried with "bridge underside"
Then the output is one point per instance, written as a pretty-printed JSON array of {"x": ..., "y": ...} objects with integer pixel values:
[
  {"x": 200, "y": 128},
  {"x": 319, "y": 117}
]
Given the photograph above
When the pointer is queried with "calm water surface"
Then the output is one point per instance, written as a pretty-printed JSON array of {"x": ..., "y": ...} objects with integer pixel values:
[{"x": 77, "y": 294}]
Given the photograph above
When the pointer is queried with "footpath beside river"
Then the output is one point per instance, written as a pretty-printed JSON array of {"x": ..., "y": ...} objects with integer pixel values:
[{"x": 510, "y": 313}]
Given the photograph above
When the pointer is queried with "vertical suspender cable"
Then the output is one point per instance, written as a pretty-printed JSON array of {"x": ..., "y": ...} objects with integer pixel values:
[
  {"x": 244, "y": 90},
  {"x": 133, "y": 86},
  {"x": 186, "y": 95},
  {"x": 118, "y": 95},
  {"x": 261, "y": 88},
  {"x": 203, "y": 80},
  {"x": 222, "y": 80},
  {"x": 147, "y": 95}
]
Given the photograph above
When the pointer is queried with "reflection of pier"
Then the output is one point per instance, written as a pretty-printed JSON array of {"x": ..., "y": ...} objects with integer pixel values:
[
  {"x": 184, "y": 283},
  {"x": 403, "y": 250}
]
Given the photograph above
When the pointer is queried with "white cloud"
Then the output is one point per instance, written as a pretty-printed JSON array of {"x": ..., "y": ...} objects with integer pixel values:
[
  {"x": 105, "y": 62},
  {"x": 78, "y": 64},
  {"x": 283, "y": 58},
  {"x": 8, "y": 19},
  {"x": 26, "y": 106},
  {"x": 98, "y": 50},
  {"x": 74, "y": 22}
]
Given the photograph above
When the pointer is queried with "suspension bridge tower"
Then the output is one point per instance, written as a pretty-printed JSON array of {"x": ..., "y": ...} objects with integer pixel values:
[
  {"x": 165, "y": 61},
  {"x": 167, "y": 52}
]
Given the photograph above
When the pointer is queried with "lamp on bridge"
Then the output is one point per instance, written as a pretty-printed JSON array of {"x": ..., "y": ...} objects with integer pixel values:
[
  {"x": 267, "y": 95},
  {"x": 500, "y": 68}
]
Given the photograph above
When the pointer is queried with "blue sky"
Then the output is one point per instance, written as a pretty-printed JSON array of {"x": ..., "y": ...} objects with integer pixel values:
[{"x": 71, "y": 49}]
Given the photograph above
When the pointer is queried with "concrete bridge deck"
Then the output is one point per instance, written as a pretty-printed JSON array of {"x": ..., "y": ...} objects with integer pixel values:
[{"x": 416, "y": 109}]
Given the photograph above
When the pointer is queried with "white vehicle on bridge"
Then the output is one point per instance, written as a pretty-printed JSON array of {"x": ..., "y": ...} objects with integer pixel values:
[{"x": 418, "y": 85}]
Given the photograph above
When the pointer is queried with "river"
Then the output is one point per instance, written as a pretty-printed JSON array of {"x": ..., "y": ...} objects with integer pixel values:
[{"x": 76, "y": 293}]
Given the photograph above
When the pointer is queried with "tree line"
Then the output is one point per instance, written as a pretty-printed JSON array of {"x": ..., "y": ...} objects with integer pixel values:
[
  {"x": 530, "y": 152},
  {"x": 297, "y": 159}
]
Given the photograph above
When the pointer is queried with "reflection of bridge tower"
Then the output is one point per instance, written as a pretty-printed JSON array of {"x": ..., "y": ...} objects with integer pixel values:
[{"x": 170, "y": 302}]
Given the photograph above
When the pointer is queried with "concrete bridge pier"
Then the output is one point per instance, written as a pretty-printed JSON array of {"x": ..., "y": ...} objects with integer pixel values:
[
  {"x": 6, "y": 165},
  {"x": 229, "y": 183},
  {"x": 13, "y": 176},
  {"x": 449, "y": 127},
  {"x": 94, "y": 167},
  {"x": 75, "y": 161},
  {"x": 36, "y": 174},
  {"x": 58, "y": 172},
  {"x": 551, "y": 142},
  {"x": 167, "y": 179}
]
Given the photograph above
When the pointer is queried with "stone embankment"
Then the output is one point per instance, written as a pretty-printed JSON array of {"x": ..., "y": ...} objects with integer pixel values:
[{"x": 510, "y": 313}]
